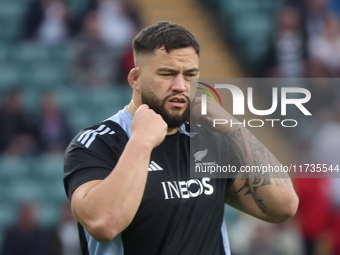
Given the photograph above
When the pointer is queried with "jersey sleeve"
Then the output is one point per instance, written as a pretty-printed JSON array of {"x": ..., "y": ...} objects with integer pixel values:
[{"x": 92, "y": 154}]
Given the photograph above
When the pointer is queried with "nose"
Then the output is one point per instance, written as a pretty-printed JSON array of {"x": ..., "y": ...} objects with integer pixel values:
[{"x": 179, "y": 84}]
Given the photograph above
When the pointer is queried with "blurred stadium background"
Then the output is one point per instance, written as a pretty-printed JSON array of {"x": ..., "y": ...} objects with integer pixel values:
[{"x": 63, "y": 67}]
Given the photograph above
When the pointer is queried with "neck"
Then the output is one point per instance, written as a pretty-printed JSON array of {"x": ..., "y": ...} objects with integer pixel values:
[
  {"x": 172, "y": 131},
  {"x": 131, "y": 108}
]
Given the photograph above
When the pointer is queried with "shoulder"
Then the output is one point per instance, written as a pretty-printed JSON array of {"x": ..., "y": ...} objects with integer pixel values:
[
  {"x": 98, "y": 145},
  {"x": 106, "y": 132},
  {"x": 92, "y": 154}
]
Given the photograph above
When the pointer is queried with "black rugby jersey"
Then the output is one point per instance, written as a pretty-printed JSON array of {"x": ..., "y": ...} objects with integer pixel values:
[{"x": 178, "y": 214}]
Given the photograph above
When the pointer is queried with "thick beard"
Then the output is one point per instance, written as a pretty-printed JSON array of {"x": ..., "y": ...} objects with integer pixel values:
[{"x": 174, "y": 120}]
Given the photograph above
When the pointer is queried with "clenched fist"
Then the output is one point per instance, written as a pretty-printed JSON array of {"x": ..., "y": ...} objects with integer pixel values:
[{"x": 148, "y": 126}]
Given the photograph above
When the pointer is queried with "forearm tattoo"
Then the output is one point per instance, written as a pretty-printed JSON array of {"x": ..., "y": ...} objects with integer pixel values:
[
  {"x": 251, "y": 151},
  {"x": 251, "y": 189}
]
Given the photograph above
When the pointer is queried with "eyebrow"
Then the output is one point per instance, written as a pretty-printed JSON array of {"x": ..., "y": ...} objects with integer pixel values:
[{"x": 176, "y": 71}]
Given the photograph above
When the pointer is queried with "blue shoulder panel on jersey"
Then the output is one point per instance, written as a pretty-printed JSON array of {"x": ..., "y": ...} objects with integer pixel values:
[
  {"x": 114, "y": 247},
  {"x": 124, "y": 119},
  {"x": 225, "y": 238}
]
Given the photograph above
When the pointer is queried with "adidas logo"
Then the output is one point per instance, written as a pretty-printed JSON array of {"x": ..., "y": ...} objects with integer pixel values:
[
  {"x": 154, "y": 166},
  {"x": 90, "y": 135}
]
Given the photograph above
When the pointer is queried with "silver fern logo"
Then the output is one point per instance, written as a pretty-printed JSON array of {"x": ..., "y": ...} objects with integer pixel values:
[{"x": 200, "y": 155}]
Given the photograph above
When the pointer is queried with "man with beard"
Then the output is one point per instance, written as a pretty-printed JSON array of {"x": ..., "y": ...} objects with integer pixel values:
[{"x": 128, "y": 177}]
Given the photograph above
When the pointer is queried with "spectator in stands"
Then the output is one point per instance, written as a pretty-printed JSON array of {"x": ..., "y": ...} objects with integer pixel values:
[
  {"x": 315, "y": 221},
  {"x": 47, "y": 22},
  {"x": 68, "y": 232},
  {"x": 325, "y": 47},
  {"x": 25, "y": 237},
  {"x": 54, "y": 131},
  {"x": 315, "y": 17},
  {"x": 94, "y": 63},
  {"x": 116, "y": 22},
  {"x": 16, "y": 133},
  {"x": 288, "y": 49},
  {"x": 260, "y": 243}
]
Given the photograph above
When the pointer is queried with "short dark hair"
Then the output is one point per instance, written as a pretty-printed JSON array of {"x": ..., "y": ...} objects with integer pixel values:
[{"x": 166, "y": 34}]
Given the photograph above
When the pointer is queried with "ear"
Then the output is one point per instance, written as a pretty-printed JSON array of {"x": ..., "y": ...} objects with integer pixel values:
[{"x": 133, "y": 78}]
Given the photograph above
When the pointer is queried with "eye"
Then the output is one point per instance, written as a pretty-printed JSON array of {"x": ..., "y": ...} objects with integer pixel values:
[
  {"x": 191, "y": 74},
  {"x": 166, "y": 74}
]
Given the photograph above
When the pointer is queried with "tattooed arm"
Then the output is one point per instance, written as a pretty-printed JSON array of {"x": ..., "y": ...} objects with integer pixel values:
[{"x": 267, "y": 196}]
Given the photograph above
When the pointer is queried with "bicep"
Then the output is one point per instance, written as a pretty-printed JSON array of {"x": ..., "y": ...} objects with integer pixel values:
[{"x": 77, "y": 200}]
